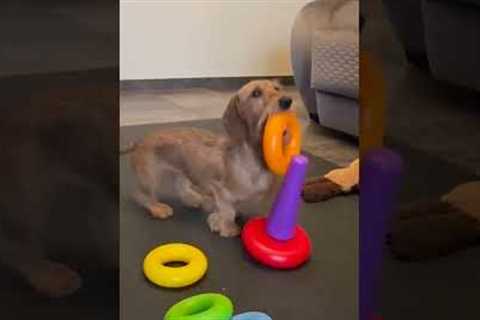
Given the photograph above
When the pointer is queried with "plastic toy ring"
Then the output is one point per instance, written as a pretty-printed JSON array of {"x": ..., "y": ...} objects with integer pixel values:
[
  {"x": 276, "y": 154},
  {"x": 206, "y": 306},
  {"x": 276, "y": 254},
  {"x": 252, "y": 316},
  {"x": 156, "y": 270}
]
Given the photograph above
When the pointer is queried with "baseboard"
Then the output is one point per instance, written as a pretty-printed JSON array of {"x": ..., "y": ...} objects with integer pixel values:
[{"x": 230, "y": 83}]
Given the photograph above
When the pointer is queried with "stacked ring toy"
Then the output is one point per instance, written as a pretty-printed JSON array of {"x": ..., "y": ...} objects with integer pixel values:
[
  {"x": 156, "y": 269},
  {"x": 277, "y": 241},
  {"x": 277, "y": 156},
  {"x": 206, "y": 306},
  {"x": 252, "y": 316}
]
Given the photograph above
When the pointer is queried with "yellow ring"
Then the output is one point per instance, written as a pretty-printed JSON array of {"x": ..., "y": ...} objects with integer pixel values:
[
  {"x": 175, "y": 277},
  {"x": 278, "y": 156}
]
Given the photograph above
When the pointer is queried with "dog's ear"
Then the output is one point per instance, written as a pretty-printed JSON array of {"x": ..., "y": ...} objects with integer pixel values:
[{"x": 232, "y": 121}]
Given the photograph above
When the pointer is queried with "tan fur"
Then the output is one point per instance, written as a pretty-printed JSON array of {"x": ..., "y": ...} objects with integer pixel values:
[
  {"x": 465, "y": 197},
  {"x": 215, "y": 173}
]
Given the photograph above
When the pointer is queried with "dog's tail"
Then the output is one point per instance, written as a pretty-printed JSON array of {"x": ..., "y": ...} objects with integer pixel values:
[{"x": 129, "y": 148}]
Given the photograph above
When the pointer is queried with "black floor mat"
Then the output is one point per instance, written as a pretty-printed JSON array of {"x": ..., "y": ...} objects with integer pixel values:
[{"x": 325, "y": 288}]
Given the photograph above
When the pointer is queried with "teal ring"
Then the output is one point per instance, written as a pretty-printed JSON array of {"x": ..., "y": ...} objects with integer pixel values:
[{"x": 206, "y": 306}]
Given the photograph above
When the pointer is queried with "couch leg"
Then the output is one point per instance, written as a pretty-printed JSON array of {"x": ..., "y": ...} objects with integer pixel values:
[
  {"x": 314, "y": 117},
  {"x": 419, "y": 60}
]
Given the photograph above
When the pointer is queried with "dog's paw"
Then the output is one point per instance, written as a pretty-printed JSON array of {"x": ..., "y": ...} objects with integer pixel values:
[
  {"x": 224, "y": 227},
  {"x": 160, "y": 211},
  {"x": 54, "y": 279},
  {"x": 229, "y": 230},
  {"x": 213, "y": 221}
]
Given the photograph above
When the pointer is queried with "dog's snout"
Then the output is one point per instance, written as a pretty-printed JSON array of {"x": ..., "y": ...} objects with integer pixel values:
[{"x": 285, "y": 102}]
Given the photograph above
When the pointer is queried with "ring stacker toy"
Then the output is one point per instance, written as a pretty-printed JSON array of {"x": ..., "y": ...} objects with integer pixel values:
[
  {"x": 206, "y": 306},
  {"x": 252, "y": 316},
  {"x": 277, "y": 241},
  {"x": 381, "y": 174},
  {"x": 277, "y": 156},
  {"x": 157, "y": 271}
]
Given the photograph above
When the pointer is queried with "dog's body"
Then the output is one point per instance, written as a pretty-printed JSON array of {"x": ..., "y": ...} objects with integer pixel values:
[{"x": 216, "y": 173}]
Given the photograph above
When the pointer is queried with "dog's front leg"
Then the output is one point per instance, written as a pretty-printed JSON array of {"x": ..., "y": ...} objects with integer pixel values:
[{"x": 222, "y": 220}]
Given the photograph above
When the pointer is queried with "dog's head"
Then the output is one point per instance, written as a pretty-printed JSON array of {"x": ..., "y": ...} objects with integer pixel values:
[{"x": 248, "y": 110}]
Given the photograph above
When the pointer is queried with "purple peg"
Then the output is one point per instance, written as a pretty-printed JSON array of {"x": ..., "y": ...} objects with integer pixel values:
[
  {"x": 380, "y": 175},
  {"x": 282, "y": 219}
]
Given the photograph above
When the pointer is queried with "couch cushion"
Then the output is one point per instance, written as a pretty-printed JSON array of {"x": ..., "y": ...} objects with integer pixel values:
[
  {"x": 335, "y": 61},
  {"x": 452, "y": 34},
  {"x": 474, "y": 2}
]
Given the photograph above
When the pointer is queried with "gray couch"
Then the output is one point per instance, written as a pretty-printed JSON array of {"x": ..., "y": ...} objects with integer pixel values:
[
  {"x": 325, "y": 54},
  {"x": 442, "y": 36}
]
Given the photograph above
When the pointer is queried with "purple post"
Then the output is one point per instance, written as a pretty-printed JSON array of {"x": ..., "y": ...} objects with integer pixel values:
[
  {"x": 282, "y": 219},
  {"x": 380, "y": 173}
]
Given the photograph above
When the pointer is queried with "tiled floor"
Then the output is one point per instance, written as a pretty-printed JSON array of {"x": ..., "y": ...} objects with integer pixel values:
[{"x": 153, "y": 105}]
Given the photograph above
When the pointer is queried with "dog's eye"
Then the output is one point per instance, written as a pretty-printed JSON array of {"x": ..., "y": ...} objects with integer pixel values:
[
  {"x": 276, "y": 88},
  {"x": 256, "y": 93}
]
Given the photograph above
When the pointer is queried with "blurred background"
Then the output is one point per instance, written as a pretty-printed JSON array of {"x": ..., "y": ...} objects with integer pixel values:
[
  {"x": 58, "y": 131},
  {"x": 428, "y": 53}
]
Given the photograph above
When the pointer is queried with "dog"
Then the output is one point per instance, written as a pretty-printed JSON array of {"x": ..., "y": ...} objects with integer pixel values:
[{"x": 215, "y": 173}]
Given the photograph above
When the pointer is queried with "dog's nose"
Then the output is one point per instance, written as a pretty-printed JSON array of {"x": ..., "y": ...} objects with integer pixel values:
[{"x": 285, "y": 102}]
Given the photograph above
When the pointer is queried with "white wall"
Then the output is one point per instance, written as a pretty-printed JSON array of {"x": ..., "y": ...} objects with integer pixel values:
[{"x": 162, "y": 39}]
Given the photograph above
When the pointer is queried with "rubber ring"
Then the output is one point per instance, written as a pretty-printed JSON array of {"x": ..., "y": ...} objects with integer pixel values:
[
  {"x": 205, "y": 306},
  {"x": 156, "y": 270},
  {"x": 254, "y": 315},
  {"x": 277, "y": 156},
  {"x": 288, "y": 254}
]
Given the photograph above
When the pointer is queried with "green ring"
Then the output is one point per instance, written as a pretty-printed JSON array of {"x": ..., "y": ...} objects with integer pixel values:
[{"x": 206, "y": 306}]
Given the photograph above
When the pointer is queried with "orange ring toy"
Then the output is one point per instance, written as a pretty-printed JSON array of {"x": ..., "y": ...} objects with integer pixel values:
[{"x": 276, "y": 154}]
